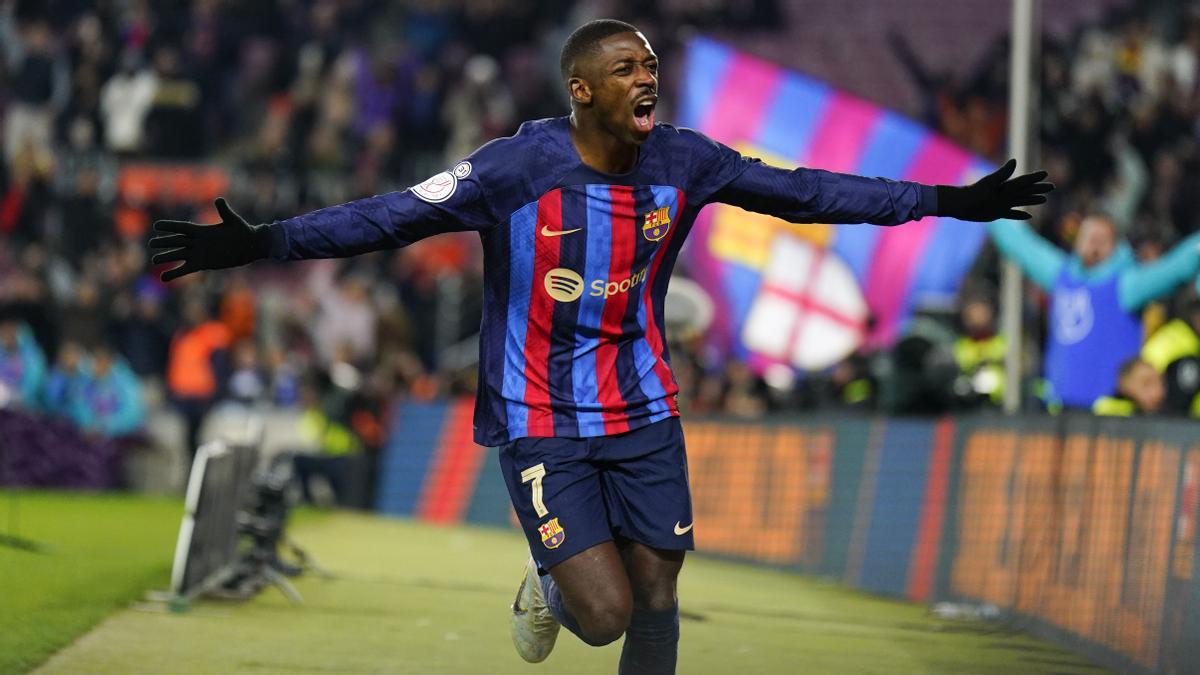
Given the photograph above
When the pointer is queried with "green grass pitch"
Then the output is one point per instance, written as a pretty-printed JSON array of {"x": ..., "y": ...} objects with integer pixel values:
[{"x": 413, "y": 598}]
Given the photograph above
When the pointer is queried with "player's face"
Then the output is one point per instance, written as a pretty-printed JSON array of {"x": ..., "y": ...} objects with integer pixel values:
[{"x": 624, "y": 76}]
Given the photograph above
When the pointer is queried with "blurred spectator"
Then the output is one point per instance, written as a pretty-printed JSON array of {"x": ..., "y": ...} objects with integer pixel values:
[
  {"x": 969, "y": 109},
  {"x": 1126, "y": 187},
  {"x": 27, "y": 198},
  {"x": 84, "y": 318},
  {"x": 1149, "y": 244},
  {"x": 196, "y": 362},
  {"x": 38, "y": 84},
  {"x": 64, "y": 380},
  {"x": 237, "y": 308},
  {"x": 477, "y": 109},
  {"x": 346, "y": 319},
  {"x": 285, "y": 378},
  {"x": 321, "y": 422},
  {"x": 86, "y": 219},
  {"x": 22, "y": 365},
  {"x": 141, "y": 330},
  {"x": 1174, "y": 351},
  {"x": 979, "y": 352},
  {"x": 174, "y": 123},
  {"x": 921, "y": 370},
  {"x": 247, "y": 383},
  {"x": 125, "y": 102},
  {"x": 745, "y": 393},
  {"x": 354, "y": 400},
  {"x": 1140, "y": 391},
  {"x": 108, "y": 400},
  {"x": 1098, "y": 293},
  {"x": 25, "y": 297},
  {"x": 853, "y": 384},
  {"x": 79, "y": 125}
]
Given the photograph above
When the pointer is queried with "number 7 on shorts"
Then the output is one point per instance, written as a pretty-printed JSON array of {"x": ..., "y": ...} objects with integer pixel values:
[{"x": 536, "y": 473}]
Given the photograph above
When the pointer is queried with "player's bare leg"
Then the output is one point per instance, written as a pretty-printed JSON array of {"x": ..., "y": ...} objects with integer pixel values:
[
  {"x": 652, "y": 638},
  {"x": 615, "y": 589},
  {"x": 589, "y": 594}
]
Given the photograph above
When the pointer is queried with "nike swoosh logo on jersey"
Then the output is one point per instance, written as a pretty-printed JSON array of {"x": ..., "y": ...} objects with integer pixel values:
[
  {"x": 547, "y": 232},
  {"x": 680, "y": 531}
]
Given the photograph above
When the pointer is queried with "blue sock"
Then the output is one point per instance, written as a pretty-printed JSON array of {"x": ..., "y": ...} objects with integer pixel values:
[
  {"x": 651, "y": 643},
  {"x": 558, "y": 609}
]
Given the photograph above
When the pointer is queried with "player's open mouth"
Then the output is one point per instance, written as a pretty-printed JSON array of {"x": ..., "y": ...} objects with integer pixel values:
[{"x": 643, "y": 113}]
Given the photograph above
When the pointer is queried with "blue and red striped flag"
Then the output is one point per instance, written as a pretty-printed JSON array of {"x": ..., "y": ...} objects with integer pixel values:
[{"x": 789, "y": 119}]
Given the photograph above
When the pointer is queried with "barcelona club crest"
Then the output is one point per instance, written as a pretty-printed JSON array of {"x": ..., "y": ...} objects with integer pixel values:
[
  {"x": 552, "y": 534},
  {"x": 658, "y": 222}
]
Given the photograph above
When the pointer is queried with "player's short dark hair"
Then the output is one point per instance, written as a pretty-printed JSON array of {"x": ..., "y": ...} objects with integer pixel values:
[{"x": 586, "y": 40}]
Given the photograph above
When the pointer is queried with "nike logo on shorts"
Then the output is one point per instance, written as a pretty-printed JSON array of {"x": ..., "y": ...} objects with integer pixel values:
[
  {"x": 547, "y": 232},
  {"x": 680, "y": 531}
]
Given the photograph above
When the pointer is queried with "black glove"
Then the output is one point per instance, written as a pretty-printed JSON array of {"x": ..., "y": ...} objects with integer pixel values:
[
  {"x": 229, "y": 243},
  {"x": 994, "y": 196}
]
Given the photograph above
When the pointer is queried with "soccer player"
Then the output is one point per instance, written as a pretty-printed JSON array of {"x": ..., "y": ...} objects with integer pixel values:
[{"x": 581, "y": 219}]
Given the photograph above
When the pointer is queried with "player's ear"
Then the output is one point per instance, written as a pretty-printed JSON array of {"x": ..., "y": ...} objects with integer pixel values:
[{"x": 579, "y": 90}]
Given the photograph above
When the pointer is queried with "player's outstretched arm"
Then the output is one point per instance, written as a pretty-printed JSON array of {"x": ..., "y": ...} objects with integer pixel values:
[
  {"x": 995, "y": 196},
  {"x": 230, "y": 243},
  {"x": 816, "y": 196},
  {"x": 447, "y": 202},
  {"x": 807, "y": 195}
]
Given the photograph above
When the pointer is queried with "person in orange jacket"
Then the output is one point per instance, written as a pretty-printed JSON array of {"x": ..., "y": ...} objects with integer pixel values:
[{"x": 194, "y": 364}]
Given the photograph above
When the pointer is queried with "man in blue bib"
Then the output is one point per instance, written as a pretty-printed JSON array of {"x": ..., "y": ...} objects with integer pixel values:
[{"x": 1097, "y": 294}]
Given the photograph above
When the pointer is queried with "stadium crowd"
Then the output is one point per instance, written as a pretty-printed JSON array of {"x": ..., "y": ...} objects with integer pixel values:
[{"x": 116, "y": 113}]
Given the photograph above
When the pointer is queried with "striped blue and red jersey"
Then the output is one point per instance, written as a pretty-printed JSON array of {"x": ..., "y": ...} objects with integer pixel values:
[{"x": 577, "y": 262}]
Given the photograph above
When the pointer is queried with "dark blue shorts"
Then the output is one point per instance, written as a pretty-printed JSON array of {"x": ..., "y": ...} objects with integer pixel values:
[{"x": 573, "y": 493}]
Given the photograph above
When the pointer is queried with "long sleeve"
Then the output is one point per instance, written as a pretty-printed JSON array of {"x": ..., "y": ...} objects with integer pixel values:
[
  {"x": 1144, "y": 283},
  {"x": 813, "y": 195},
  {"x": 1040, "y": 260},
  {"x": 447, "y": 202}
]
